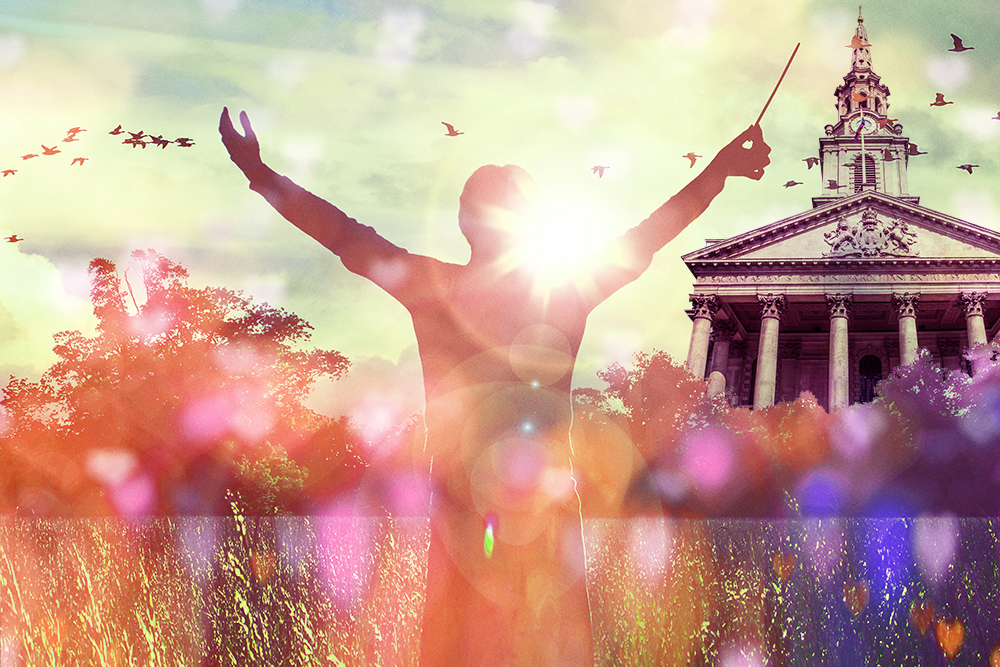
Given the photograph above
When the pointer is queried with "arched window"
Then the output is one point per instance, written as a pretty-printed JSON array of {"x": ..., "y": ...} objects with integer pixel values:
[
  {"x": 753, "y": 381},
  {"x": 870, "y": 177},
  {"x": 870, "y": 372}
]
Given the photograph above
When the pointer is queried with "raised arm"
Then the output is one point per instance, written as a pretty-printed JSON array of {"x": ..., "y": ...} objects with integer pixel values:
[
  {"x": 631, "y": 254},
  {"x": 360, "y": 248}
]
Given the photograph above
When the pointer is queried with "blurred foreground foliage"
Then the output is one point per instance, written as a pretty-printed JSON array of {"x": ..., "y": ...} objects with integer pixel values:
[
  {"x": 928, "y": 444},
  {"x": 174, "y": 401}
]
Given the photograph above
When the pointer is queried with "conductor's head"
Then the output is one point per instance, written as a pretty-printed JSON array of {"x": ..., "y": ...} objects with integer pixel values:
[{"x": 493, "y": 204}]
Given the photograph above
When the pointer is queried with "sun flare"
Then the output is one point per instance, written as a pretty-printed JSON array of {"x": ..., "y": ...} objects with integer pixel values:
[{"x": 561, "y": 240}]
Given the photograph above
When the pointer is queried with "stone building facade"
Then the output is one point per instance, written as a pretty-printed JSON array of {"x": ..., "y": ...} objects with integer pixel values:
[{"x": 832, "y": 299}]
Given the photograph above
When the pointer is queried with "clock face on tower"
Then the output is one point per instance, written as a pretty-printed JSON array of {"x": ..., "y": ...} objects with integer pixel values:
[{"x": 868, "y": 128}]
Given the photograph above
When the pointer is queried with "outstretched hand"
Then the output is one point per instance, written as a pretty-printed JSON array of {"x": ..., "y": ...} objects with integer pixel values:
[
  {"x": 244, "y": 149},
  {"x": 746, "y": 155}
]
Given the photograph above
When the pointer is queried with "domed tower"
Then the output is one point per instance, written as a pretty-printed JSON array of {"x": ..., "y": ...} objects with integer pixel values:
[{"x": 864, "y": 150}]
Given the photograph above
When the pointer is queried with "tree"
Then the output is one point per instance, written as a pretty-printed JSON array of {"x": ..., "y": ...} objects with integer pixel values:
[{"x": 172, "y": 402}]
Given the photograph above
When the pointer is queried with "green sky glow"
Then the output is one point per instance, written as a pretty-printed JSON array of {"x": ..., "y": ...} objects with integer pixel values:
[{"x": 348, "y": 96}]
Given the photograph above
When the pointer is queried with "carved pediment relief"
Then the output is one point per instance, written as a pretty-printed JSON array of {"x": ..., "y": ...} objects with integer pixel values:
[
  {"x": 871, "y": 236},
  {"x": 866, "y": 226}
]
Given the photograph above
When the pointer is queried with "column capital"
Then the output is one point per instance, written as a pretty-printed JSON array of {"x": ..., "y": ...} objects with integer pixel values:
[
  {"x": 771, "y": 305},
  {"x": 839, "y": 304},
  {"x": 705, "y": 306},
  {"x": 971, "y": 303},
  {"x": 723, "y": 330},
  {"x": 905, "y": 304}
]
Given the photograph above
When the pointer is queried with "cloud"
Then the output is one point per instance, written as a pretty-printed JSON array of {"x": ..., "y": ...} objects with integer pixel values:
[
  {"x": 220, "y": 9},
  {"x": 35, "y": 304},
  {"x": 399, "y": 33},
  {"x": 530, "y": 34},
  {"x": 376, "y": 394},
  {"x": 12, "y": 50},
  {"x": 947, "y": 73}
]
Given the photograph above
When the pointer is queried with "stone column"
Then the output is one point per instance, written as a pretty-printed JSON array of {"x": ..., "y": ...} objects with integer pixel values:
[
  {"x": 771, "y": 307},
  {"x": 704, "y": 308},
  {"x": 722, "y": 333},
  {"x": 840, "y": 369},
  {"x": 905, "y": 306},
  {"x": 972, "y": 308}
]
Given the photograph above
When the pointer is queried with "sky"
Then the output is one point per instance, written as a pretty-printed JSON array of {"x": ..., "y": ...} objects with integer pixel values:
[{"x": 347, "y": 98}]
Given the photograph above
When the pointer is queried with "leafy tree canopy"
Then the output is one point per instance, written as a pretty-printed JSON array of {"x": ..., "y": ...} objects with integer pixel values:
[{"x": 171, "y": 402}]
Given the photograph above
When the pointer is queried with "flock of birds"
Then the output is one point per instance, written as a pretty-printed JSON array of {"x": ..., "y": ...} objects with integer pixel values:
[
  {"x": 888, "y": 155},
  {"x": 911, "y": 148},
  {"x": 135, "y": 139},
  {"x": 141, "y": 139}
]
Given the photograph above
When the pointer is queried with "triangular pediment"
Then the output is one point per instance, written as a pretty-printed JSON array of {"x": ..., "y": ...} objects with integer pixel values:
[{"x": 865, "y": 226}]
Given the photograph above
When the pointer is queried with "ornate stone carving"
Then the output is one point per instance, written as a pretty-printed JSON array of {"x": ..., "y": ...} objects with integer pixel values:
[
  {"x": 839, "y": 304},
  {"x": 723, "y": 330},
  {"x": 705, "y": 306},
  {"x": 971, "y": 303},
  {"x": 905, "y": 304},
  {"x": 948, "y": 347},
  {"x": 790, "y": 349},
  {"x": 892, "y": 347},
  {"x": 871, "y": 237},
  {"x": 771, "y": 305},
  {"x": 942, "y": 277}
]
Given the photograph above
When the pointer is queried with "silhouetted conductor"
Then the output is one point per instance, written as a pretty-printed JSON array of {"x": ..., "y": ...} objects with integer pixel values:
[{"x": 497, "y": 358}]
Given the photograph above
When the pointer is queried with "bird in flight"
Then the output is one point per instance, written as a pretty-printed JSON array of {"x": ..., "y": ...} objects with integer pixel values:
[
  {"x": 9, "y": 172},
  {"x": 29, "y": 156},
  {"x": 72, "y": 132},
  {"x": 959, "y": 47},
  {"x": 184, "y": 142},
  {"x": 889, "y": 157},
  {"x": 856, "y": 43},
  {"x": 997, "y": 117},
  {"x": 912, "y": 150},
  {"x": 832, "y": 184},
  {"x": 117, "y": 130},
  {"x": 49, "y": 151},
  {"x": 967, "y": 167},
  {"x": 882, "y": 122},
  {"x": 939, "y": 101},
  {"x": 452, "y": 132},
  {"x": 810, "y": 161},
  {"x": 138, "y": 136},
  {"x": 13, "y": 238},
  {"x": 599, "y": 170},
  {"x": 158, "y": 140},
  {"x": 79, "y": 161},
  {"x": 791, "y": 183},
  {"x": 692, "y": 157},
  {"x": 859, "y": 97},
  {"x": 69, "y": 137}
]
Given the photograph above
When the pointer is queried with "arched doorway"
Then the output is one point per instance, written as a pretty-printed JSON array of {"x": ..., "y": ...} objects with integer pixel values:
[{"x": 870, "y": 372}]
